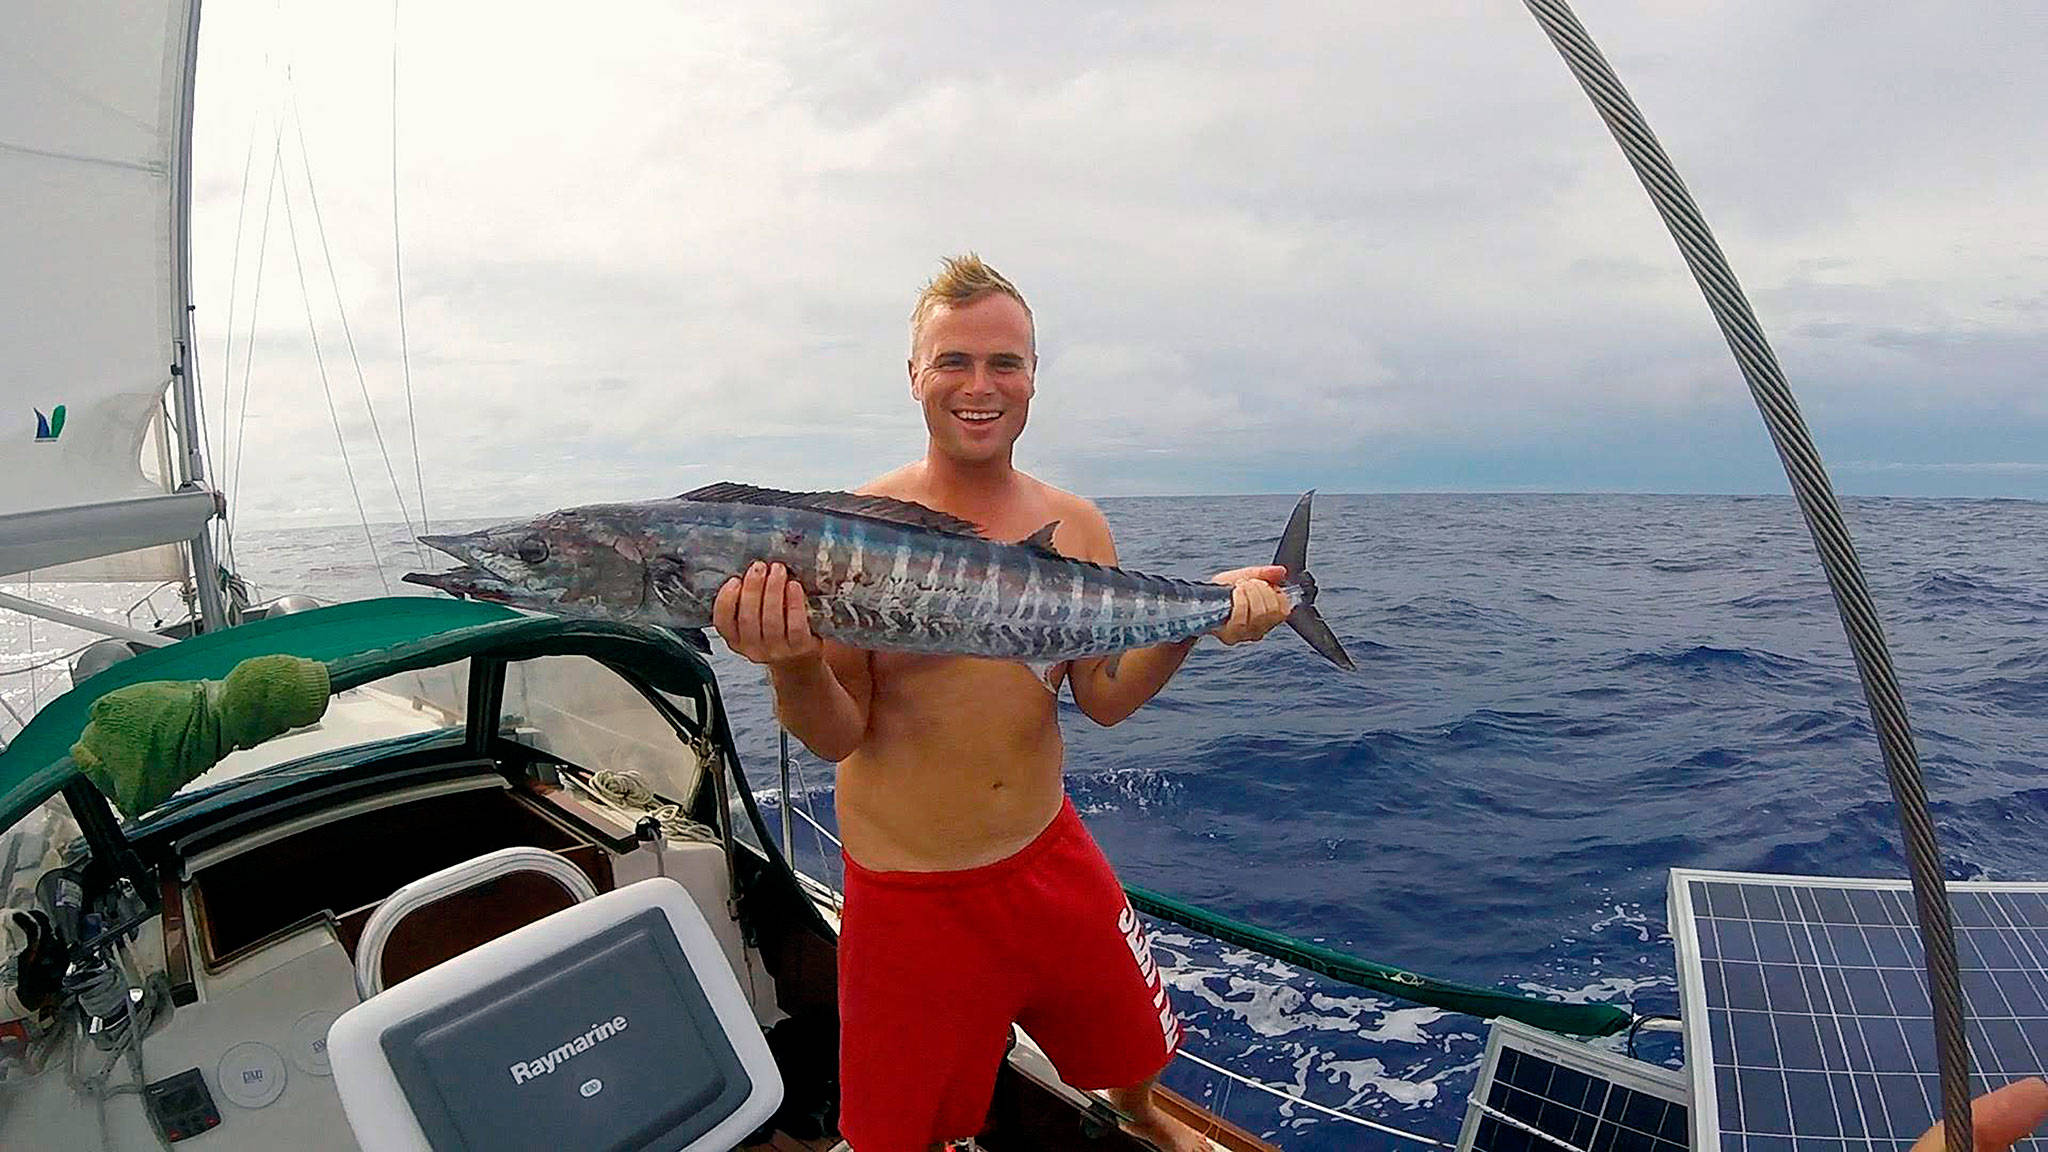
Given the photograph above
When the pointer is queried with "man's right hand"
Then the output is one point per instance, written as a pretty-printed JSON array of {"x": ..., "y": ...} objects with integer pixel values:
[
  {"x": 763, "y": 617},
  {"x": 1998, "y": 1119}
]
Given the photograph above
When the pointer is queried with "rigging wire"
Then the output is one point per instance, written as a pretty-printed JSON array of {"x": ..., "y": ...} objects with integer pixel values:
[
  {"x": 262, "y": 246},
  {"x": 1291, "y": 1098},
  {"x": 804, "y": 790},
  {"x": 398, "y": 275},
  {"x": 341, "y": 309},
  {"x": 327, "y": 389},
  {"x": 1810, "y": 484},
  {"x": 255, "y": 305},
  {"x": 227, "y": 355},
  {"x": 35, "y": 691}
]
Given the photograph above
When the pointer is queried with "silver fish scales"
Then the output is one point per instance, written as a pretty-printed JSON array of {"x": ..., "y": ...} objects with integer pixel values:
[{"x": 877, "y": 573}]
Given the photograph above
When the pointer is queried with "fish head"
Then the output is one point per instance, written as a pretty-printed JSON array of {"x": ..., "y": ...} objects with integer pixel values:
[
  {"x": 467, "y": 583},
  {"x": 574, "y": 562}
]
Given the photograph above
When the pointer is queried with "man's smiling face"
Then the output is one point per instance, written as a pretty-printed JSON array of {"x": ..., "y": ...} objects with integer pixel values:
[{"x": 973, "y": 371}]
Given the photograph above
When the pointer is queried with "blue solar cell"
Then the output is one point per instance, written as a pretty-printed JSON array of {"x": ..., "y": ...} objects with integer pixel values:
[
  {"x": 1764, "y": 1107},
  {"x": 1972, "y": 910},
  {"x": 1755, "y": 1045},
  {"x": 1763, "y": 904},
  {"x": 1643, "y": 1113},
  {"x": 1774, "y": 943},
  {"x": 1813, "y": 1104},
  {"x": 1867, "y": 993},
  {"x": 1851, "y": 946},
  {"x": 1890, "y": 948},
  {"x": 1798, "y": 1041},
  {"x": 1785, "y": 989},
  {"x": 1523, "y": 1106},
  {"x": 2025, "y": 996},
  {"x": 1867, "y": 906},
  {"x": 1745, "y": 986},
  {"x": 1570, "y": 1088},
  {"x": 1830, "y": 906},
  {"x": 1725, "y": 900},
  {"x": 1495, "y": 1136},
  {"x": 1908, "y": 990}
]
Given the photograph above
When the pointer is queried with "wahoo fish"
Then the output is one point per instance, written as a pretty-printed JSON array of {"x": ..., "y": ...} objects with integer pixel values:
[{"x": 876, "y": 572}]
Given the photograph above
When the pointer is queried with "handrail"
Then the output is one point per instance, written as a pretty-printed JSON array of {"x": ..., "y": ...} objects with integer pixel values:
[{"x": 1486, "y": 1003}]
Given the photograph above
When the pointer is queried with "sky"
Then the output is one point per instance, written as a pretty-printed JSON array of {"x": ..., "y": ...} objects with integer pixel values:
[{"x": 1366, "y": 247}]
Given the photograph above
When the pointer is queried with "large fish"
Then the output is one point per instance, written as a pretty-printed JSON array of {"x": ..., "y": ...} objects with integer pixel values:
[{"x": 877, "y": 573}]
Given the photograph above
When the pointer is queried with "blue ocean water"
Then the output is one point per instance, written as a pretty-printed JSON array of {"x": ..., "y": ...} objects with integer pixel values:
[{"x": 1558, "y": 699}]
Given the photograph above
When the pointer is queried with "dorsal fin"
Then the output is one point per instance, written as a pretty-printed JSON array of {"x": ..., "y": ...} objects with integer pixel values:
[
  {"x": 847, "y": 503},
  {"x": 1041, "y": 541}
]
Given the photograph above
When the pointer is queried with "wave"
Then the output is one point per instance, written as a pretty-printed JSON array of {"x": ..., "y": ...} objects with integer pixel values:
[
  {"x": 1776, "y": 600},
  {"x": 1950, "y": 589},
  {"x": 1447, "y": 614},
  {"x": 1707, "y": 660},
  {"x": 2022, "y": 694}
]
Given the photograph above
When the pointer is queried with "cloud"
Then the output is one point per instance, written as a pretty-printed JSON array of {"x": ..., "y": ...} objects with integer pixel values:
[{"x": 1328, "y": 245}]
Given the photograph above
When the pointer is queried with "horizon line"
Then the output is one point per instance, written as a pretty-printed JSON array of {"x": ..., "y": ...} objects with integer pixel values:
[{"x": 1291, "y": 495}]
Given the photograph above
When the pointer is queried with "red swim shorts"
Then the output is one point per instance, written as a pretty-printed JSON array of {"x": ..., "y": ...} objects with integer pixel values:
[{"x": 934, "y": 967}]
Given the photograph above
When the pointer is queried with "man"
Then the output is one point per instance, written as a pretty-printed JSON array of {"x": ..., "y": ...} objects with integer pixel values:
[{"x": 974, "y": 896}]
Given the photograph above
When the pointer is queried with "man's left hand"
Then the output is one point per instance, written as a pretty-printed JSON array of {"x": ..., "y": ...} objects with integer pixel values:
[{"x": 1256, "y": 603}]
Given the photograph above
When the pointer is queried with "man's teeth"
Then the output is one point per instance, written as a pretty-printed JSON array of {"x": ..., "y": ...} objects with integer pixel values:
[{"x": 977, "y": 417}]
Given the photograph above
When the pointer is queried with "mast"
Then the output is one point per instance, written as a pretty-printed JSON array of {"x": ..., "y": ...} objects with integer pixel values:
[{"x": 185, "y": 368}]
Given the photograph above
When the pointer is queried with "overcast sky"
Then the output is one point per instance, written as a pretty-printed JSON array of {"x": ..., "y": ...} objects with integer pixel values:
[{"x": 1361, "y": 247}]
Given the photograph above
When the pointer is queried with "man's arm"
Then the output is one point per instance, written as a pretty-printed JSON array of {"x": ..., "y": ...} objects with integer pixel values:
[
  {"x": 1110, "y": 698},
  {"x": 821, "y": 691}
]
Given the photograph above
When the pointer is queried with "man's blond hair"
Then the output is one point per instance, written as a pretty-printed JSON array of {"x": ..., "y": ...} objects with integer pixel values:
[{"x": 961, "y": 281}]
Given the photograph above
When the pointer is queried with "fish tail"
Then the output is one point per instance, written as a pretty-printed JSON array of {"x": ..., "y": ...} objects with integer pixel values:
[{"x": 1301, "y": 587}]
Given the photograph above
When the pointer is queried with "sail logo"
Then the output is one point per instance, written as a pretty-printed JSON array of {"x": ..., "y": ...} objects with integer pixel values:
[{"x": 48, "y": 428}]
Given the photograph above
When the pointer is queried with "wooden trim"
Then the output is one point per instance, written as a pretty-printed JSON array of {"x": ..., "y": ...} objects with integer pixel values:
[
  {"x": 177, "y": 944},
  {"x": 578, "y": 814},
  {"x": 1216, "y": 1128}
]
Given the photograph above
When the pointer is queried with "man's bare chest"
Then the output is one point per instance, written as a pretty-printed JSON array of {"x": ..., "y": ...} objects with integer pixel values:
[{"x": 1010, "y": 523}]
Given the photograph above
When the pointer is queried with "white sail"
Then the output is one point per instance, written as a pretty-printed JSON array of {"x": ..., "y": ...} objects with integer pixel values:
[{"x": 92, "y": 281}]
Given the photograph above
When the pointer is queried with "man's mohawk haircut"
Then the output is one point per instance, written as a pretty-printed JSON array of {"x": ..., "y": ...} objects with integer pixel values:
[{"x": 961, "y": 281}]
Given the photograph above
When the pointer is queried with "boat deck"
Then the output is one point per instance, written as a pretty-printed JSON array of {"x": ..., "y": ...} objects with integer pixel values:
[{"x": 1223, "y": 1135}]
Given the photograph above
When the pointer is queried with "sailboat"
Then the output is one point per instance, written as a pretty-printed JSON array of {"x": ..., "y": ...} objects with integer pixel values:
[
  {"x": 504, "y": 883},
  {"x": 476, "y": 779}
]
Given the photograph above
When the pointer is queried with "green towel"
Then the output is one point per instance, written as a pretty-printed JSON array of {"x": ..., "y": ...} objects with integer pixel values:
[{"x": 147, "y": 740}]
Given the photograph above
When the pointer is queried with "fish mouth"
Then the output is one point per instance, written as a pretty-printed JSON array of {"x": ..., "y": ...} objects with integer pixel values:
[
  {"x": 456, "y": 546},
  {"x": 465, "y": 583}
]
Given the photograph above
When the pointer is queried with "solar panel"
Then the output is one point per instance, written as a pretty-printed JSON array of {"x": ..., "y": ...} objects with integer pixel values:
[
  {"x": 1807, "y": 1021},
  {"x": 1543, "y": 1093}
]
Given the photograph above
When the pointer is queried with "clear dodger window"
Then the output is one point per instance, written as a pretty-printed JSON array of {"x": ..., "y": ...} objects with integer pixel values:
[{"x": 582, "y": 713}]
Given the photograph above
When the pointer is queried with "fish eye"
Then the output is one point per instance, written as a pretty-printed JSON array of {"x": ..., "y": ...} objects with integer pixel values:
[{"x": 533, "y": 550}]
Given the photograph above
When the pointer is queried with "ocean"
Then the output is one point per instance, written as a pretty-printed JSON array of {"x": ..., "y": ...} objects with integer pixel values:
[{"x": 1558, "y": 698}]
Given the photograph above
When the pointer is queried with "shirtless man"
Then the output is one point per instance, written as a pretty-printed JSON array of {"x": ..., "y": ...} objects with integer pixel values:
[{"x": 974, "y": 896}]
